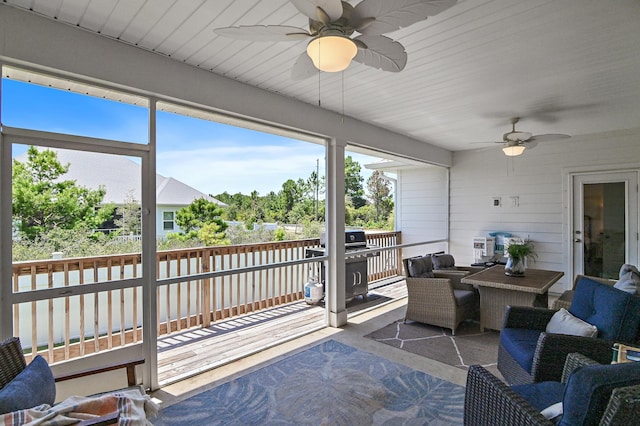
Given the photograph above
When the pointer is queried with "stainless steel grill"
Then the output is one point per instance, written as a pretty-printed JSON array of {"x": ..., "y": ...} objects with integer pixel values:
[{"x": 356, "y": 280}]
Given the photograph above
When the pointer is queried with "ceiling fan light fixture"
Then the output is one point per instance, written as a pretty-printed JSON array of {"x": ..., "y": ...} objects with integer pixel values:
[
  {"x": 331, "y": 53},
  {"x": 518, "y": 136},
  {"x": 513, "y": 150}
]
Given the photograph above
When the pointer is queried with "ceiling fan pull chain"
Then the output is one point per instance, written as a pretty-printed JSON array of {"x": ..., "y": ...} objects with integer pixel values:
[
  {"x": 342, "y": 78},
  {"x": 319, "y": 103}
]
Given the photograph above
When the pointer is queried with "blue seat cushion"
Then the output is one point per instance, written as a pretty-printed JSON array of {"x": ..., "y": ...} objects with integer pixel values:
[
  {"x": 34, "y": 386},
  {"x": 615, "y": 312},
  {"x": 521, "y": 344},
  {"x": 589, "y": 388},
  {"x": 542, "y": 394}
]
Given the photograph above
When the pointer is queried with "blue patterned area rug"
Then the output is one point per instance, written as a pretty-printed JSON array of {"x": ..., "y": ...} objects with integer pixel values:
[{"x": 328, "y": 384}]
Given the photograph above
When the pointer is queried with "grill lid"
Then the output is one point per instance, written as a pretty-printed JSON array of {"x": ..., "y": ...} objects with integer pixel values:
[{"x": 351, "y": 239}]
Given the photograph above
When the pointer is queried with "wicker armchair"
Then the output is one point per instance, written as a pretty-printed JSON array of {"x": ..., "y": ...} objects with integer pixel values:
[
  {"x": 12, "y": 360},
  {"x": 12, "y": 363},
  {"x": 441, "y": 300},
  {"x": 489, "y": 401},
  {"x": 564, "y": 301},
  {"x": 527, "y": 353}
]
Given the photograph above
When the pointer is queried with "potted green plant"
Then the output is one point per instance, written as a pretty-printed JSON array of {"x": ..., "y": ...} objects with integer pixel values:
[{"x": 518, "y": 254}]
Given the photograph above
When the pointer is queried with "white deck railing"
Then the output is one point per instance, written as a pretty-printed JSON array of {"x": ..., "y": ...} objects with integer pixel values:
[{"x": 74, "y": 307}]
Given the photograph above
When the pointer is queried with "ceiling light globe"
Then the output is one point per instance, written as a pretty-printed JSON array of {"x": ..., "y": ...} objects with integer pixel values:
[
  {"x": 331, "y": 53},
  {"x": 513, "y": 150}
]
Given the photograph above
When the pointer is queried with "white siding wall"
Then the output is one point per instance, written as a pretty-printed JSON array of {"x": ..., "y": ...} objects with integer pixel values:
[
  {"x": 539, "y": 179},
  {"x": 423, "y": 208}
]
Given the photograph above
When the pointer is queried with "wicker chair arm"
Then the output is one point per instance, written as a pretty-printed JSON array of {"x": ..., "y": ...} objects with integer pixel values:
[
  {"x": 552, "y": 350},
  {"x": 455, "y": 276},
  {"x": 12, "y": 360},
  {"x": 575, "y": 360},
  {"x": 489, "y": 401},
  {"x": 623, "y": 407},
  {"x": 527, "y": 317},
  {"x": 449, "y": 273},
  {"x": 470, "y": 269}
]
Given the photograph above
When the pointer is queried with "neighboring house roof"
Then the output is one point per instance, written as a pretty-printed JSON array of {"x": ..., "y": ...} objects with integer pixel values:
[
  {"x": 121, "y": 178},
  {"x": 170, "y": 191}
]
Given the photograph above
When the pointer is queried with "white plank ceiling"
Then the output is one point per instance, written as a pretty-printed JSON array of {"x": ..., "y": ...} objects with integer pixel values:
[{"x": 564, "y": 66}]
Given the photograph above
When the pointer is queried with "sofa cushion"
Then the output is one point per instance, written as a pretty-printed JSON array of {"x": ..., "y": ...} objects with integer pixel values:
[
  {"x": 34, "y": 386},
  {"x": 443, "y": 261},
  {"x": 562, "y": 322},
  {"x": 542, "y": 394},
  {"x": 521, "y": 344},
  {"x": 614, "y": 312},
  {"x": 420, "y": 267},
  {"x": 589, "y": 388},
  {"x": 629, "y": 279},
  {"x": 464, "y": 297}
]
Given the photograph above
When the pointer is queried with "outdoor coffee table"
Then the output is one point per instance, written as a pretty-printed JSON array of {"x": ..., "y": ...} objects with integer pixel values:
[{"x": 498, "y": 290}]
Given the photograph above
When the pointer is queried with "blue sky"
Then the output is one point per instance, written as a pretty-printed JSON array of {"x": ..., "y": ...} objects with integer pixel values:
[{"x": 211, "y": 157}]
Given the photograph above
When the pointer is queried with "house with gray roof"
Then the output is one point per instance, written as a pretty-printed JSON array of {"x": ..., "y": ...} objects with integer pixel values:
[{"x": 121, "y": 177}]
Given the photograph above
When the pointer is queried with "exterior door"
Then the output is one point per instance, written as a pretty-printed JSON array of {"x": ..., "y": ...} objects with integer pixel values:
[{"x": 605, "y": 222}]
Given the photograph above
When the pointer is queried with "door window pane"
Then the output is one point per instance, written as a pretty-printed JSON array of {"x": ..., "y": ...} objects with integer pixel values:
[{"x": 604, "y": 229}]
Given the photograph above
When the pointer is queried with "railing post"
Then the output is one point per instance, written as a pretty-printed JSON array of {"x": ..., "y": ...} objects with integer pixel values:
[
  {"x": 206, "y": 289},
  {"x": 399, "y": 260}
]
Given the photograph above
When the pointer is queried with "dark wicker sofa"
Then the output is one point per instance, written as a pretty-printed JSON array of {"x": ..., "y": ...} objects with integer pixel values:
[
  {"x": 527, "y": 353},
  {"x": 590, "y": 393}
]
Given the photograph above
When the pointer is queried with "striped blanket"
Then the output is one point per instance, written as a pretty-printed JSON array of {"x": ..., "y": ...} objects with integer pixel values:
[{"x": 132, "y": 407}]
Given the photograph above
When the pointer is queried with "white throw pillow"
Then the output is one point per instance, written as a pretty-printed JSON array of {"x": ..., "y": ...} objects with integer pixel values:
[
  {"x": 562, "y": 322},
  {"x": 629, "y": 279},
  {"x": 552, "y": 411}
]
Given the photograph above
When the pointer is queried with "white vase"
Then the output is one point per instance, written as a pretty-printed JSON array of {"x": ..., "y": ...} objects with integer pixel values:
[{"x": 515, "y": 267}]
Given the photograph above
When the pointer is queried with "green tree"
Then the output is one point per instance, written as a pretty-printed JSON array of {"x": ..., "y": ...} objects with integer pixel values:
[
  {"x": 291, "y": 193},
  {"x": 353, "y": 182},
  {"x": 211, "y": 234},
  {"x": 43, "y": 201},
  {"x": 201, "y": 219},
  {"x": 129, "y": 216},
  {"x": 280, "y": 234},
  {"x": 379, "y": 193}
]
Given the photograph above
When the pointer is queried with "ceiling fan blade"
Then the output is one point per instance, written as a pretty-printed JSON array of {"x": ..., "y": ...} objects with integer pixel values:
[
  {"x": 391, "y": 15},
  {"x": 303, "y": 68},
  {"x": 264, "y": 33},
  {"x": 548, "y": 137},
  {"x": 382, "y": 53},
  {"x": 333, "y": 8}
]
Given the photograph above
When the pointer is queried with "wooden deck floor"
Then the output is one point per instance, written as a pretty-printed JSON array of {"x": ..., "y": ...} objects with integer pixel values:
[{"x": 187, "y": 353}]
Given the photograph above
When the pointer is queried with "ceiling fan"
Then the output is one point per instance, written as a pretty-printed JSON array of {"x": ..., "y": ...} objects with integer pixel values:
[
  {"x": 331, "y": 25},
  {"x": 515, "y": 142}
]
